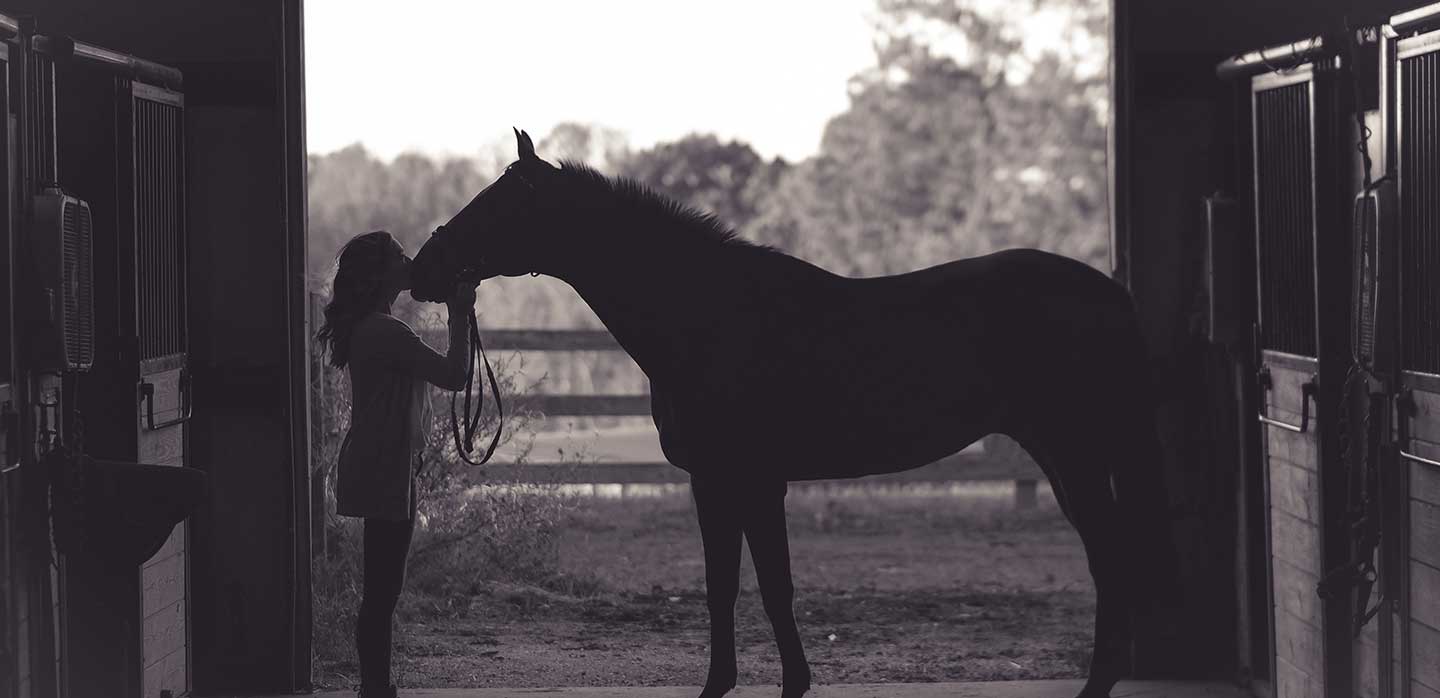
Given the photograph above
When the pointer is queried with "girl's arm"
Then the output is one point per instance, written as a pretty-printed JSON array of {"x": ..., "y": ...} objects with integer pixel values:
[{"x": 399, "y": 347}]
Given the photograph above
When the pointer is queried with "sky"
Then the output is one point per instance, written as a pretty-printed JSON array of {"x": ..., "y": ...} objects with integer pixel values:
[{"x": 448, "y": 77}]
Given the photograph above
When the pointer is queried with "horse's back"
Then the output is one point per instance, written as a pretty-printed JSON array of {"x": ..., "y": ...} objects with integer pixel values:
[
  {"x": 1013, "y": 305},
  {"x": 1007, "y": 273},
  {"x": 837, "y": 377}
]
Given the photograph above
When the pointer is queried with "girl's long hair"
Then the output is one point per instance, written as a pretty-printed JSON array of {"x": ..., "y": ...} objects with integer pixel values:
[{"x": 356, "y": 292}]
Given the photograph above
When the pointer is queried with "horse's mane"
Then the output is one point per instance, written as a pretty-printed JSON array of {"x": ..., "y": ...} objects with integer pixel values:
[{"x": 645, "y": 204}]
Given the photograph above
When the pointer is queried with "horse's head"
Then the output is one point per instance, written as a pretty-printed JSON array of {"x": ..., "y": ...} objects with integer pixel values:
[{"x": 501, "y": 232}]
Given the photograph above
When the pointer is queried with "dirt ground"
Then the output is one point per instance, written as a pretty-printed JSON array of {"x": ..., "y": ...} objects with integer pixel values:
[{"x": 899, "y": 588}]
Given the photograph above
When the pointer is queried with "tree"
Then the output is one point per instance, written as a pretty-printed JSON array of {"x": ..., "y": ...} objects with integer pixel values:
[
  {"x": 600, "y": 147},
  {"x": 352, "y": 192},
  {"x": 958, "y": 142},
  {"x": 727, "y": 179}
]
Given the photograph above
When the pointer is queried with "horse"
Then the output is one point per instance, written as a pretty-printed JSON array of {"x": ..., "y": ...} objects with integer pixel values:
[{"x": 765, "y": 369}]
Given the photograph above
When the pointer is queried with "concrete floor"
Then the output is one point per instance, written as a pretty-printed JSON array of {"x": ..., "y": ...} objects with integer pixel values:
[{"x": 993, "y": 689}]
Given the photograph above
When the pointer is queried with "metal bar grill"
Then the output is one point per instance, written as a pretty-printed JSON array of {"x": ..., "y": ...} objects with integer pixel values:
[
  {"x": 1420, "y": 212},
  {"x": 79, "y": 316},
  {"x": 158, "y": 222},
  {"x": 6, "y": 263},
  {"x": 1367, "y": 229},
  {"x": 42, "y": 120},
  {"x": 1286, "y": 209}
]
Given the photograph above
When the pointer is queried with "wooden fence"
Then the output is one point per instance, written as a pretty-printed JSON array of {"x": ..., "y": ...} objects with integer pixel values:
[{"x": 1001, "y": 459}]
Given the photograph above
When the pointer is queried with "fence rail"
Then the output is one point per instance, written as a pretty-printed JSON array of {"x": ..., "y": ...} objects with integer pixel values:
[
  {"x": 587, "y": 405},
  {"x": 959, "y": 467},
  {"x": 1001, "y": 459},
  {"x": 550, "y": 340}
]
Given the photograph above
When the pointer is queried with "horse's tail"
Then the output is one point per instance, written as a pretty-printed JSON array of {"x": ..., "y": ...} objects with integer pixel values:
[{"x": 1137, "y": 471}]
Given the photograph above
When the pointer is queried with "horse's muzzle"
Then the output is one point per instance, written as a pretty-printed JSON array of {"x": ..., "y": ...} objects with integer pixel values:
[{"x": 430, "y": 293}]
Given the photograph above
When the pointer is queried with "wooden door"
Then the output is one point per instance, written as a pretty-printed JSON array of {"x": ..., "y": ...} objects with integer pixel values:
[
  {"x": 1417, "y": 149},
  {"x": 1294, "y": 187},
  {"x": 14, "y": 622},
  {"x": 152, "y": 202}
]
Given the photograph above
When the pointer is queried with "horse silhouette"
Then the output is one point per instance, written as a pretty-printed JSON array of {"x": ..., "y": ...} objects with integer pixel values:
[{"x": 766, "y": 369}]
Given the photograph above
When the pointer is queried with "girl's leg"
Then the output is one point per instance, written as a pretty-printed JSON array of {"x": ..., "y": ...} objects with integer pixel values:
[{"x": 386, "y": 545}]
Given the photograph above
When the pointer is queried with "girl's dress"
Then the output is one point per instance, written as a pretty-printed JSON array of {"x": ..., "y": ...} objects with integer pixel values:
[{"x": 390, "y": 414}]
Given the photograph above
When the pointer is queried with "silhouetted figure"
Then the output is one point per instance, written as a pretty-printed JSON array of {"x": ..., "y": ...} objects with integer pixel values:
[
  {"x": 766, "y": 369},
  {"x": 389, "y": 368}
]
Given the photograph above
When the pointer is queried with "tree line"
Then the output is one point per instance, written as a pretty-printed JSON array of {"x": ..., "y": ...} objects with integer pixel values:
[{"x": 959, "y": 141}]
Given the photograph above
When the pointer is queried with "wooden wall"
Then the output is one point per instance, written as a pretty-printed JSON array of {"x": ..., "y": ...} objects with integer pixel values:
[
  {"x": 1424, "y": 554},
  {"x": 248, "y": 603},
  {"x": 1177, "y": 137},
  {"x": 164, "y": 578},
  {"x": 15, "y": 631},
  {"x": 1293, "y": 469}
]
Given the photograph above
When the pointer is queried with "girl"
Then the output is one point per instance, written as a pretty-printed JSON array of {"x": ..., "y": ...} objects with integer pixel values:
[{"x": 389, "y": 369}]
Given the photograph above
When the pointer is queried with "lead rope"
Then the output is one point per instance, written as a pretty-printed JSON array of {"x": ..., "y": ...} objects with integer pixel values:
[{"x": 472, "y": 420}]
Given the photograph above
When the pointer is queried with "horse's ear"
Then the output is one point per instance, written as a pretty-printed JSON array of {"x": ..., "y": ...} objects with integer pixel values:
[{"x": 524, "y": 144}]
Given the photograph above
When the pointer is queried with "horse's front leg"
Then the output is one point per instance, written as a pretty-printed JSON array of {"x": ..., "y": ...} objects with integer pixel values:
[
  {"x": 764, "y": 523},
  {"x": 720, "y": 532}
]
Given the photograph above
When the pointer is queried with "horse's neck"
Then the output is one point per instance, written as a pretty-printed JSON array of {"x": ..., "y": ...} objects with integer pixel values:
[
  {"x": 653, "y": 298},
  {"x": 653, "y": 309},
  {"x": 641, "y": 340}
]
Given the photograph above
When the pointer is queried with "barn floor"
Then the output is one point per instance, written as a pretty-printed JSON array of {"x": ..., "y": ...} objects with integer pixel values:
[{"x": 990, "y": 689}]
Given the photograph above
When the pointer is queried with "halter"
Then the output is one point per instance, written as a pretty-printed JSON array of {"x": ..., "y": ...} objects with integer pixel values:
[{"x": 517, "y": 175}]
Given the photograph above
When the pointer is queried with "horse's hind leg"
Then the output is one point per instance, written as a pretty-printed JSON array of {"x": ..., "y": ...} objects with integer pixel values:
[
  {"x": 720, "y": 531},
  {"x": 1097, "y": 521},
  {"x": 1079, "y": 475},
  {"x": 764, "y": 522}
]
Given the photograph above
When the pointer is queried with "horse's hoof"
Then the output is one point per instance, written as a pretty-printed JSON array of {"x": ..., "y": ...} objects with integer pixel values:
[
  {"x": 717, "y": 686},
  {"x": 795, "y": 685},
  {"x": 1098, "y": 688},
  {"x": 714, "y": 691}
]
